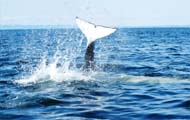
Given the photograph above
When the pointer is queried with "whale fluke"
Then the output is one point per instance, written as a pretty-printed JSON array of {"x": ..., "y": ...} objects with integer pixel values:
[{"x": 92, "y": 33}]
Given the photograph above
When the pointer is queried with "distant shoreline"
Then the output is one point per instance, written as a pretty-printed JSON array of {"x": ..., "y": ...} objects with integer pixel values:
[{"x": 10, "y": 27}]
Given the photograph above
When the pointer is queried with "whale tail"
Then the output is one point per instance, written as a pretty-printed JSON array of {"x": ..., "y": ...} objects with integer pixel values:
[{"x": 92, "y": 31}]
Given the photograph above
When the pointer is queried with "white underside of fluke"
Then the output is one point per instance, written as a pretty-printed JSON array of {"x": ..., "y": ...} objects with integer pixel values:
[{"x": 92, "y": 31}]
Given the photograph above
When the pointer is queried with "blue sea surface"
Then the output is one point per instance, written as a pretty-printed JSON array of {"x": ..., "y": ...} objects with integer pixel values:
[{"x": 141, "y": 74}]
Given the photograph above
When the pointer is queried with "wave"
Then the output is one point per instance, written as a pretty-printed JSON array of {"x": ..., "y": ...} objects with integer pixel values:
[{"x": 52, "y": 72}]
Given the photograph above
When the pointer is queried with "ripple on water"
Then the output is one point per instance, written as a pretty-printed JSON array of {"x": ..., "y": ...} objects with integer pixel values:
[{"x": 146, "y": 77}]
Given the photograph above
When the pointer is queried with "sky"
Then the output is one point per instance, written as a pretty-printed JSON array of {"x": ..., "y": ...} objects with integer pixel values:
[{"x": 104, "y": 12}]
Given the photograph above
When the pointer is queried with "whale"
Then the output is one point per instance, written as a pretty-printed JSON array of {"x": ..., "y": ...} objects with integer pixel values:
[{"x": 92, "y": 33}]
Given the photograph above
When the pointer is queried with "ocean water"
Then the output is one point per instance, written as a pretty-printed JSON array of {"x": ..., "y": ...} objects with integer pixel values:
[{"x": 141, "y": 73}]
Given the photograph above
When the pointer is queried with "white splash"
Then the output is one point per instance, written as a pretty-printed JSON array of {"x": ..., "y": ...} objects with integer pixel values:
[{"x": 53, "y": 73}]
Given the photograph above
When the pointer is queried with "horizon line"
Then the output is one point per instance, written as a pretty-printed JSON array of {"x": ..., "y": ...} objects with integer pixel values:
[{"x": 73, "y": 26}]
